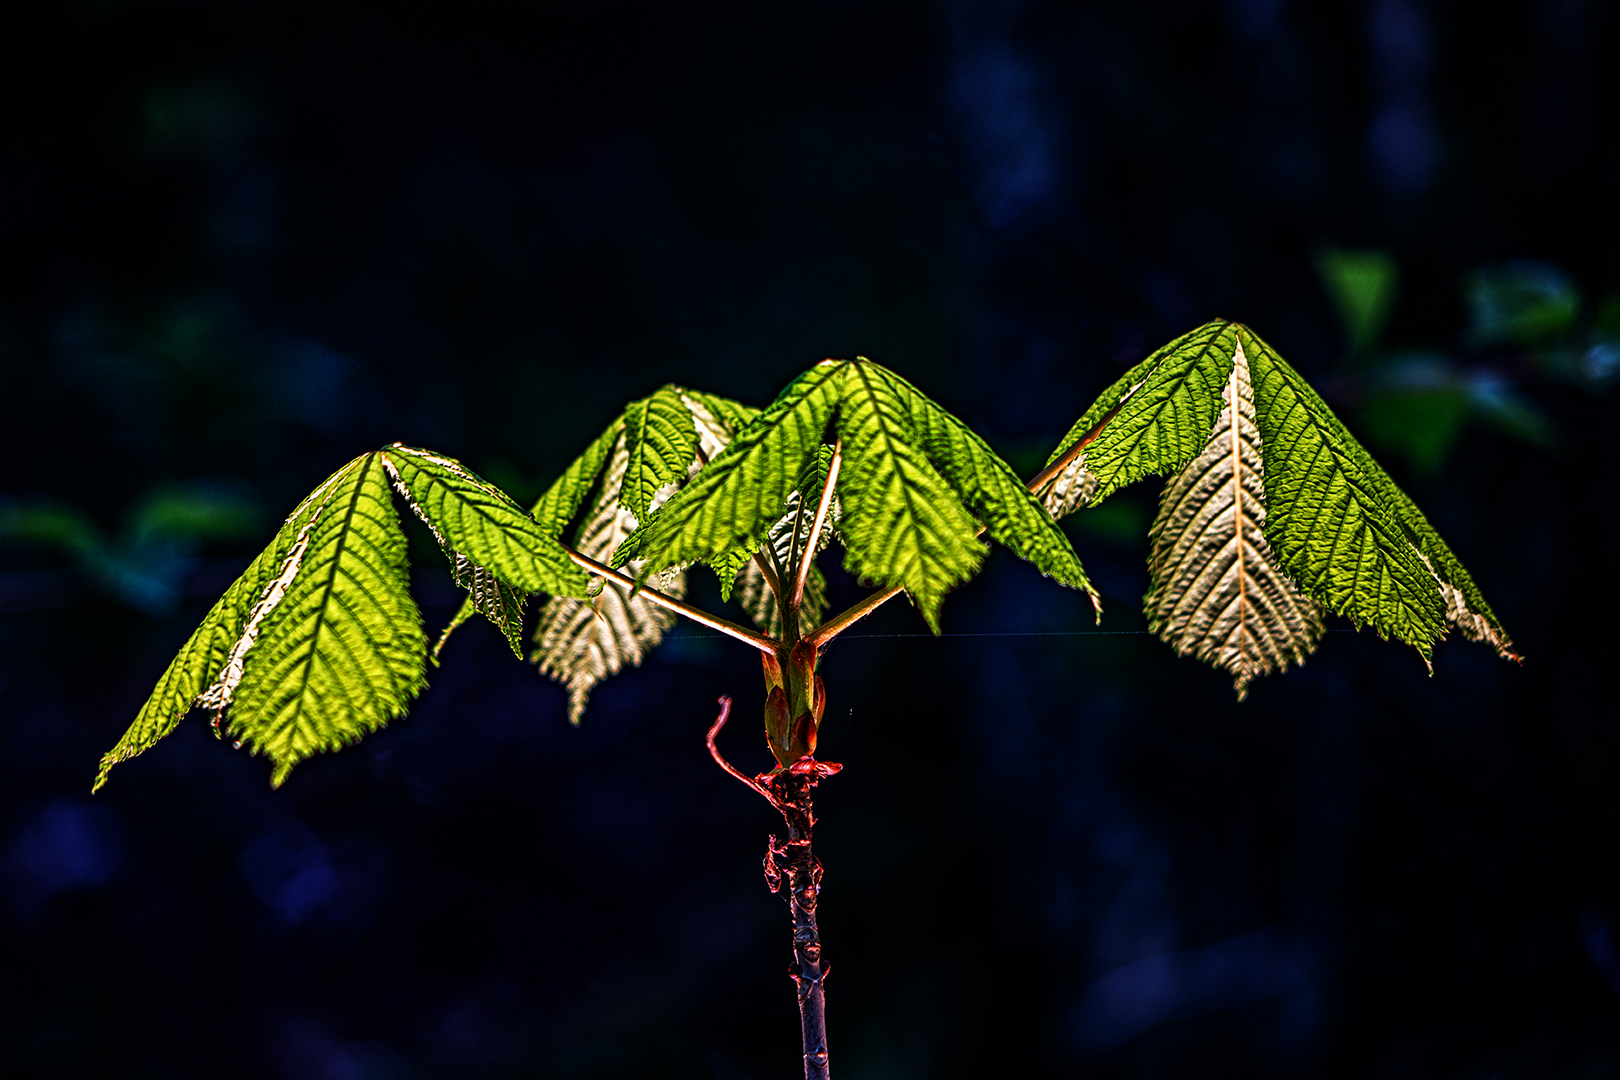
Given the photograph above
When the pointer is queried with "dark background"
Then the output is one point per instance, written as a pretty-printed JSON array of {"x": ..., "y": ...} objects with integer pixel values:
[{"x": 243, "y": 242}]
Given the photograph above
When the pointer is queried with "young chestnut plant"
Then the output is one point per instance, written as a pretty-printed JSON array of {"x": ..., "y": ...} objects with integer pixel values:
[{"x": 1273, "y": 515}]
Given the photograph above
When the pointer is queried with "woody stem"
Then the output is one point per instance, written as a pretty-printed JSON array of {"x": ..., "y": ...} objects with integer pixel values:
[{"x": 794, "y": 864}]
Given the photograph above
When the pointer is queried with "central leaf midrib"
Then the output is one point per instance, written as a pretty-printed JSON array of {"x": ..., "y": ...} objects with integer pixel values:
[
  {"x": 888, "y": 442},
  {"x": 326, "y": 595},
  {"x": 1235, "y": 409}
]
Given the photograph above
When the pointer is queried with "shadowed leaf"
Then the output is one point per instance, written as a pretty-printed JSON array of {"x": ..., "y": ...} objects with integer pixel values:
[
  {"x": 1217, "y": 593},
  {"x": 581, "y": 642}
]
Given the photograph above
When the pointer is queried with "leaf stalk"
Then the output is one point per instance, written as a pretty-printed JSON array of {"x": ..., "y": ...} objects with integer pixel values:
[
  {"x": 698, "y": 615},
  {"x": 808, "y": 558}
]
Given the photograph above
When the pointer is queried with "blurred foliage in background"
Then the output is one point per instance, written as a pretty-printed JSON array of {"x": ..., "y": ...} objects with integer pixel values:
[
  {"x": 146, "y": 565},
  {"x": 1527, "y": 326}
]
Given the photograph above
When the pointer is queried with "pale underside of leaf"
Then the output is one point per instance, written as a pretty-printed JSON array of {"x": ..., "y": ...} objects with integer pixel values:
[
  {"x": 1217, "y": 592},
  {"x": 1475, "y": 626},
  {"x": 489, "y": 596},
  {"x": 1070, "y": 489},
  {"x": 337, "y": 648},
  {"x": 717, "y": 418},
  {"x": 581, "y": 642}
]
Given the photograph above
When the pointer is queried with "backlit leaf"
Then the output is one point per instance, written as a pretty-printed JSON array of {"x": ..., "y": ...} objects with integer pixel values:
[
  {"x": 991, "y": 491},
  {"x": 744, "y": 489},
  {"x": 556, "y": 509},
  {"x": 217, "y": 642},
  {"x": 902, "y": 523},
  {"x": 1345, "y": 531},
  {"x": 333, "y": 648},
  {"x": 662, "y": 441},
  {"x": 1153, "y": 420},
  {"x": 910, "y": 473}
]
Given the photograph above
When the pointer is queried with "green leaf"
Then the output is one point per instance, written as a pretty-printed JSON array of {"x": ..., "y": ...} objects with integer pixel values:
[
  {"x": 1333, "y": 523},
  {"x": 469, "y": 608},
  {"x": 989, "y": 488},
  {"x": 334, "y": 648},
  {"x": 791, "y": 531},
  {"x": 902, "y": 520},
  {"x": 199, "y": 661},
  {"x": 476, "y": 523},
  {"x": 743, "y": 490},
  {"x": 662, "y": 440},
  {"x": 211, "y": 646},
  {"x": 902, "y": 524},
  {"x": 1330, "y": 516},
  {"x": 726, "y": 567},
  {"x": 1152, "y": 421}
]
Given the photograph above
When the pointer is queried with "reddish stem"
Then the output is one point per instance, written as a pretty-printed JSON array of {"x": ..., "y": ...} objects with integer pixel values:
[{"x": 788, "y": 790}]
